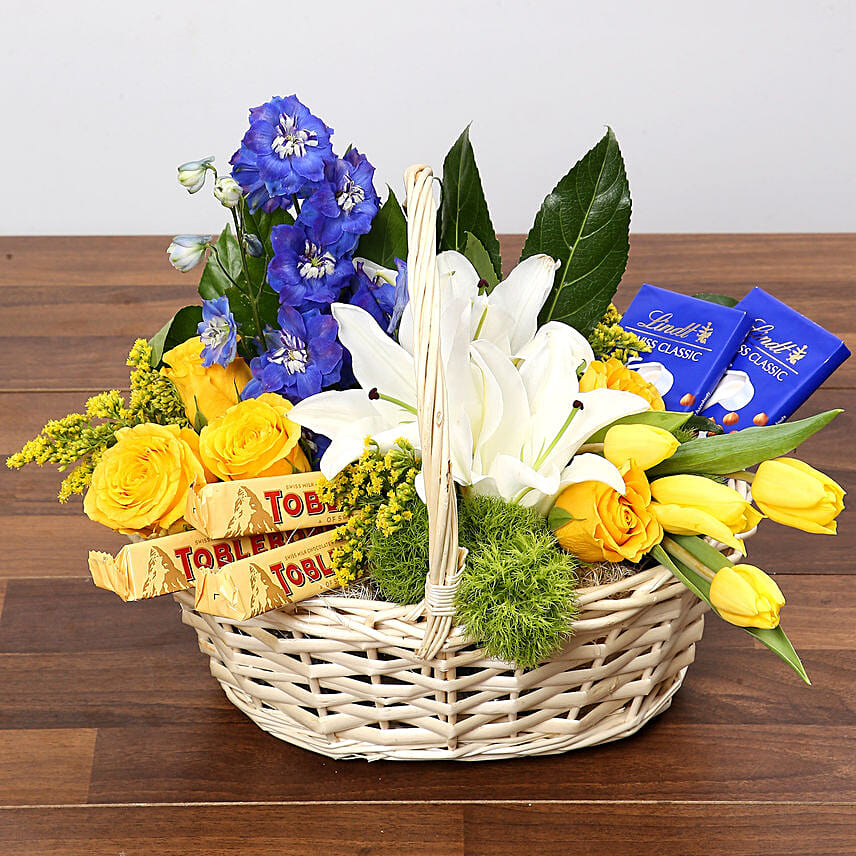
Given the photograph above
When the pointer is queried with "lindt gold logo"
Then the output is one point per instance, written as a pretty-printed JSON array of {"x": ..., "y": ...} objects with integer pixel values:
[
  {"x": 762, "y": 333},
  {"x": 662, "y": 322}
]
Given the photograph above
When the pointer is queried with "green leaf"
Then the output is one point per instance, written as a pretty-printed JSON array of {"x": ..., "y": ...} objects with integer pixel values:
[
  {"x": 262, "y": 223},
  {"x": 214, "y": 282},
  {"x": 585, "y": 224},
  {"x": 722, "y": 299},
  {"x": 558, "y": 517},
  {"x": 387, "y": 238},
  {"x": 729, "y": 453},
  {"x": 665, "y": 419},
  {"x": 463, "y": 207},
  {"x": 474, "y": 250},
  {"x": 776, "y": 640},
  {"x": 181, "y": 327}
]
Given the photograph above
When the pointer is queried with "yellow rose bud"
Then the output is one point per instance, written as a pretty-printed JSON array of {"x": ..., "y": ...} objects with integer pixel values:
[
  {"x": 744, "y": 595},
  {"x": 140, "y": 485},
  {"x": 596, "y": 523},
  {"x": 613, "y": 374},
  {"x": 213, "y": 390},
  {"x": 704, "y": 502},
  {"x": 252, "y": 439},
  {"x": 794, "y": 494},
  {"x": 646, "y": 444}
]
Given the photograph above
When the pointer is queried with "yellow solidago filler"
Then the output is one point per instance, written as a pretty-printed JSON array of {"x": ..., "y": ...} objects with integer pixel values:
[
  {"x": 695, "y": 505},
  {"x": 373, "y": 491},
  {"x": 794, "y": 494},
  {"x": 613, "y": 374},
  {"x": 211, "y": 391},
  {"x": 596, "y": 523},
  {"x": 253, "y": 438},
  {"x": 744, "y": 595},
  {"x": 610, "y": 339},
  {"x": 645, "y": 444},
  {"x": 140, "y": 485}
]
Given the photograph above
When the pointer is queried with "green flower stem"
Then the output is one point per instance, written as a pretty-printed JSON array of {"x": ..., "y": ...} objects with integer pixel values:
[
  {"x": 597, "y": 448},
  {"x": 684, "y": 556},
  {"x": 296, "y": 202},
  {"x": 239, "y": 234}
]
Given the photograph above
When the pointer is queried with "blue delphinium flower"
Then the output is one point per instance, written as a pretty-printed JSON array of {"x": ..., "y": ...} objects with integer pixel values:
[
  {"x": 304, "y": 268},
  {"x": 245, "y": 170},
  {"x": 376, "y": 296},
  {"x": 301, "y": 359},
  {"x": 285, "y": 148},
  {"x": 218, "y": 332},
  {"x": 401, "y": 296},
  {"x": 347, "y": 203}
]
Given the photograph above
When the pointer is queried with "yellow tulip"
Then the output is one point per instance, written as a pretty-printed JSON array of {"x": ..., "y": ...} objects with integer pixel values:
[
  {"x": 210, "y": 390},
  {"x": 794, "y": 494},
  {"x": 686, "y": 520},
  {"x": 744, "y": 595},
  {"x": 646, "y": 444}
]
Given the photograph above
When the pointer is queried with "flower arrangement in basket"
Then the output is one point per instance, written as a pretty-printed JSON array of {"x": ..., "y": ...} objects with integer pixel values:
[{"x": 416, "y": 508}]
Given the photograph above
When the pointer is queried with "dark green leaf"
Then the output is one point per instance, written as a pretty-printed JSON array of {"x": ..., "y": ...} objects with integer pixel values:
[
  {"x": 584, "y": 224},
  {"x": 702, "y": 423},
  {"x": 463, "y": 207},
  {"x": 776, "y": 640},
  {"x": 387, "y": 239},
  {"x": 214, "y": 281},
  {"x": 199, "y": 420},
  {"x": 665, "y": 419},
  {"x": 722, "y": 299},
  {"x": 558, "y": 517},
  {"x": 474, "y": 250},
  {"x": 181, "y": 327},
  {"x": 729, "y": 453}
]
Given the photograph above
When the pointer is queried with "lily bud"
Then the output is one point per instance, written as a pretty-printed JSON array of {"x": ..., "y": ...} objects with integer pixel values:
[
  {"x": 645, "y": 444},
  {"x": 694, "y": 505},
  {"x": 794, "y": 494},
  {"x": 186, "y": 251},
  {"x": 227, "y": 191},
  {"x": 254, "y": 246},
  {"x": 744, "y": 595},
  {"x": 192, "y": 174}
]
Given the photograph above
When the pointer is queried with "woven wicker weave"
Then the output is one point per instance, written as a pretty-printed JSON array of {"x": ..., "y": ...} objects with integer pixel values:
[{"x": 350, "y": 678}]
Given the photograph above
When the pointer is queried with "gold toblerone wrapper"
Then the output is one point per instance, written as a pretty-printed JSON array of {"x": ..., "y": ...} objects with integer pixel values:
[
  {"x": 163, "y": 565},
  {"x": 250, "y": 506},
  {"x": 261, "y": 583}
]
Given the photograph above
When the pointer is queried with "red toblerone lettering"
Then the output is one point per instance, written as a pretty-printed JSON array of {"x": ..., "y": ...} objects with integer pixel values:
[
  {"x": 276, "y": 539},
  {"x": 310, "y": 570},
  {"x": 223, "y": 554},
  {"x": 293, "y": 505},
  {"x": 183, "y": 553},
  {"x": 257, "y": 543},
  {"x": 313, "y": 504},
  {"x": 202, "y": 558},
  {"x": 325, "y": 571},
  {"x": 274, "y": 497},
  {"x": 239, "y": 553},
  {"x": 277, "y": 570}
]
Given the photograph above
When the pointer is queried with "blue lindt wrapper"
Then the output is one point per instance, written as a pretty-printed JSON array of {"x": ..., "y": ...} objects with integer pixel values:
[
  {"x": 692, "y": 344},
  {"x": 784, "y": 359}
]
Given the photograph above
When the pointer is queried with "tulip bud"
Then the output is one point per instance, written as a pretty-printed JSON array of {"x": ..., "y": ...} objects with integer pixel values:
[
  {"x": 227, "y": 191},
  {"x": 744, "y": 595},
  {"x": 254, "y": 246},
  {"x": 645, "y": 444},
  {"x": 186, "y": 251},
  {"x": 794, "y": 494},
  {"x": 192, "y": 174}
]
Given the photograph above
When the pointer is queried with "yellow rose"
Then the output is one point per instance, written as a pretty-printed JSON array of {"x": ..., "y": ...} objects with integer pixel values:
[
  {"x": 140, "y": 485},
  {"x": 252, "y": 439},
  {"x": 794, "y": 494},
  {"x": 613, "y": 374},
  {"x": 744, "y": 595},
  {"x": 596, "y": 523},
  {"x": 211, "y": 391},
  {"x": 646, "y": 444}
]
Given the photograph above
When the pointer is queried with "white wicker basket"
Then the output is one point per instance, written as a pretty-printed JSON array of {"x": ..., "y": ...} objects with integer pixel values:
[{"x": 353, "y": 678}]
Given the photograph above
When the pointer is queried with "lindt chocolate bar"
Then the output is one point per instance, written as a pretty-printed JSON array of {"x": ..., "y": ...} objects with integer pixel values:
[
  {"x": 783, "y": 360},
  {"x": 692, "y": 343},
  {"x": 258, "y": 584},
  {"x": 163, "y": 565},
  {"x": 247, "y": 507}
]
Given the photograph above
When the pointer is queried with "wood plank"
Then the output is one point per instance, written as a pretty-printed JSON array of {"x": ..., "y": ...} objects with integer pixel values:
[
  {"x": 320, "y": 830},
  {"x": 630, "y": 830},
  {"x": 106, "y": 308},
  {"x": 45, "y": 766}
]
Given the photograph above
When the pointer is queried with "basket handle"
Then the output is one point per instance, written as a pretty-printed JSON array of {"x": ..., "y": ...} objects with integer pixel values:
[{"x": 445, "y": 557}]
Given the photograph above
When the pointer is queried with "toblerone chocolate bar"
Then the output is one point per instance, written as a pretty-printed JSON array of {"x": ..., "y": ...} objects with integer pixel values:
[
  {"x": 250, "y": 506},
  {"x": 255, "y": 585},
  {"x": 163, "y": 565}
]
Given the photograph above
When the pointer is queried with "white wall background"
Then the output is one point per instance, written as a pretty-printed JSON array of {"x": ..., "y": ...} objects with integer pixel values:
[{"x": 732, "y": 116}]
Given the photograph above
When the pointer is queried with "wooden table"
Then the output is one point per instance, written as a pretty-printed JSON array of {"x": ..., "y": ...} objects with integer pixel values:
[{"x": 115, "y": 739}]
